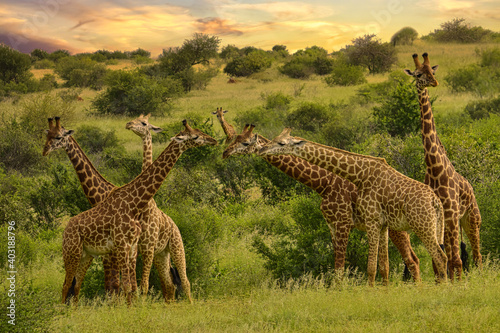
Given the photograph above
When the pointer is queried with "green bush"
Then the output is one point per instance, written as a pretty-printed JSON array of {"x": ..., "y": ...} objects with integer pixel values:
[
  {"x": 132, "y": 93},
  {"x": 81, "y": 72},
  {"x": 490, "y": 57},
  {"x": 245, "y": 65},
  {"x": 343, "y": 74},
  {"x": 43, "y": 64},
  {"x": 399, "y": 114},
  {"x": 14, "y": 65},
  {"x": 304, "y": 63},
  {"x": 405, "y": 36},
  {"x": 277, "y": 100},
  {"x": 483, "y": 108},
  {"x": 458, "y": 30},
  {"x": 308, "y": 117},
  {"x": 94, "y": 140}
]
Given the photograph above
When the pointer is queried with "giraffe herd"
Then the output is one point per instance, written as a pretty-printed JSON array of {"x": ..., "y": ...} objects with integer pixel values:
[{"x": 357, "y": 191}]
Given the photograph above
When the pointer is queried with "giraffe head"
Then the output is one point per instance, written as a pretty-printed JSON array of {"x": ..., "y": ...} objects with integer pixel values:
[
  {"x": 141, "y": 126},
  {"x": 423, "y": 73},
  {"x": 220, "y": 114},
  {"x": 192, "y": 137},
  {"x": 283, "y": 144},
  {"x": 244, "y": 144},
  {"x": 57, "y": 136}
]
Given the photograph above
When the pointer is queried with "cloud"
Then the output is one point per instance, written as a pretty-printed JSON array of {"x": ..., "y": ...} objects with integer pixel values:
[
  {"x": 80, "y": 23},
  {"x": 217, "y": 26}
]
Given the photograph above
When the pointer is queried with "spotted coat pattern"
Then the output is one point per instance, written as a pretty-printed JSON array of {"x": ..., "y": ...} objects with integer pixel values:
[
  {"x": 454, "y": 191},
  {"x": 339, "y": 198},
  {"x": 386, "y": 199},
  {"x": 226, "y": 127}
]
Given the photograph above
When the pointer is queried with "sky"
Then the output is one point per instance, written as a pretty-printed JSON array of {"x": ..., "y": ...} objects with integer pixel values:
[{"x": 125, "y": 25}]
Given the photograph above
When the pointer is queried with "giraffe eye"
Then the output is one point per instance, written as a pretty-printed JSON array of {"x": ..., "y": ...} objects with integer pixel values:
[
  {"x": 419, "y": 75},
  {"x": 245, "y": 144},
  {"x": 196, "y": 137},
  {"x": 143, "y": 123},
  {"x": 58, "y": 137},
  {"x": 281, "y": 144}
]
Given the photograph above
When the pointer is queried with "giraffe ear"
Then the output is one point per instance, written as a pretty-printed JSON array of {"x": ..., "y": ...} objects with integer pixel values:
[
  {"x": 155, "y": 129},
  {"x": 224, "y": 111},
  {"x": 298, "y": 143},
  {"x": 214, "y": 112},
  {"x": 434, "y": 69},
  {"x": 179, "y": 138},
  {"x": 408, "y": 72},
  {"x": 69, "y": 132}
]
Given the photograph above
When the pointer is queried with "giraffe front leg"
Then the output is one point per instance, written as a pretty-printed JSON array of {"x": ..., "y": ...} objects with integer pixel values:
[
  {"x": 383, "y": 255},
  {"x": 373, "y": 241},
  {"x": 147, "y": 262},
  {"x": 162, "y": 264}
]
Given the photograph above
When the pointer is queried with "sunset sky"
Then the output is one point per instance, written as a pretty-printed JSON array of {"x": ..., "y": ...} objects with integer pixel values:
[{"x": 90, "y": 25}]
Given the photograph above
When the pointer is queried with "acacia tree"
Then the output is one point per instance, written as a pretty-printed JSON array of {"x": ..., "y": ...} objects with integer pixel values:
[{"x": 369, "y": 52}]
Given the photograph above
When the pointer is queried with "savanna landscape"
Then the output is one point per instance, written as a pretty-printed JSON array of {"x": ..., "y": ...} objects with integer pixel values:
[{"x": 258, "y": 251}]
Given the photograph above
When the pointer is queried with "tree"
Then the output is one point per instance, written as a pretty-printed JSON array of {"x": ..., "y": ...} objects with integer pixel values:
[
  {"x": 405, "y": 36},
  {"x": 369, "y": 52},
  {"x": 304, "y": 63},
  {"x": 38, "y": 54},
  {"x": 245, "y": 65},
  {"x": 14, "y": 65},
  {"x": 58, "y": 54},
  {"x": 229, "y": 52},
  {"x": 458, "y": 30}
]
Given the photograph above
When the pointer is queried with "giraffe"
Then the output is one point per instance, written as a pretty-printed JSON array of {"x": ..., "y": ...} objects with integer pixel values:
[
  {"x": 338, "y": 198},
  {"x": 112, "y": 226},
  {"x": 95, "y": 187},
  {"x": 454, "y": 191},
  {"x": 226, "y": 127},
  {"x": 386, "y": 199},
  {"x": 160, "y": 236}
]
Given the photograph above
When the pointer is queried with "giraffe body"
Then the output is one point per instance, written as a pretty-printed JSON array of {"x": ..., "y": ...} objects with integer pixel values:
[
  {"x": 339, "y": 198},
  {"x": 112, "y": 225},
  {"x": 386, "y": 198},
  {"x": 160, "y": 238},
  {"x": 454, "y": 191}
]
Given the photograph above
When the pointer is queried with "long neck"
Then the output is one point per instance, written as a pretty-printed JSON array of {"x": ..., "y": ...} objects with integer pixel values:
[
  {"x": 95, "y": 187},
  {"x": 228, "y": 129},
  {"x": 354, "y": 167},
  {"x": 308, "y": 174},
  {"x": 147, "y": 151},
  {"x": 140, "y": 190}
]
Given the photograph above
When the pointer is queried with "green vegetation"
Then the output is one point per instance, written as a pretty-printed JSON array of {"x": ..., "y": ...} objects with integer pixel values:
[{"x": 258, "y": 250}]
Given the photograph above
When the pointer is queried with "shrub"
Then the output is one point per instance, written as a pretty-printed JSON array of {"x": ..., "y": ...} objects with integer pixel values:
[
  {"x": 82, "y": 72},
  {"x": 132, "y": 93},
  {"x": 254, "y": 62},
  {"x": 95, "y": 140},
  {"x": 14, "y": 65},
  {"x": 308, "y": 117},
  {"x": 58, "y": 55},
  {"x": 369, "y": 52},
  {"x": 405, "y": 36},
  {"x": 482, "y": 108},
  {"x": 458, "y": 30},
  {"x": 399, "y": 114},
  {"x": 490, "y": 57},
  {"x": 344, "y": 74},
  {"x": 277, "y": 100},
  {"x": 43, "y": 64},
  {"x": 38, "y": 54},
  {"x": 304, "y": 63}
]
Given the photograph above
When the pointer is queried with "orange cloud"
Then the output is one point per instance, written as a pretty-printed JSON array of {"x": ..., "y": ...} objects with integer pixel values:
[{"x": 217, "y": 26}]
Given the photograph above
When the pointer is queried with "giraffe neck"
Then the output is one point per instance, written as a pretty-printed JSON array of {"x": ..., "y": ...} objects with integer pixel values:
[
  {"x": 354, "y": 167},
  {"x": 310, "y": 175},
  {"x": 429, "y": 135},
  {"x": 139, "y": 191},
  {"x": 95, "y": 187},
  {"x": 228, "y": 129},
  {"x": 147, "y": 151}
]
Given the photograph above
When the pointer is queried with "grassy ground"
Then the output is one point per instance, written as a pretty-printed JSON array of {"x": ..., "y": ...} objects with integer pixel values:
[{"x": 468, "y": 306}]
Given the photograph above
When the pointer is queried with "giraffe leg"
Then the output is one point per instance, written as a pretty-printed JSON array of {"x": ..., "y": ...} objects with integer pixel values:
[
  {"x": 84, "y": 265},
  {"x": 72, "y": 254},
  {"x": 147, "y": 262},
  {"x": 111, "y": 275},
  {"x": 471, "y": 223},
  {"x": 176, "y": 247},
  {"x": 383, "y": 255},
  {"x": 132, "y": 270},
  {"x": 162, "y": 264},
  {"x": 439, "y": 258},
  {"x": 401, "y": 240},
  {"x": 373, "y": 241}
]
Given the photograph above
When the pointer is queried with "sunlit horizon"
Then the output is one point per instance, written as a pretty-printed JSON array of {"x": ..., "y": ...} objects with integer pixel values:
[{"x": 87, "y": 26}]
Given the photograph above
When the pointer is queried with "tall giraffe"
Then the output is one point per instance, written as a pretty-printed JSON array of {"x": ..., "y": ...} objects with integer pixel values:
[
  {"x": 160, "y": 236},
  {"x": 386, "y": 200},
  {"x": 226, "y": 127},
  {"x": 95, "y": 187},
  {"x": 112, "y": 226},
  {"x": 339, "y": 197},
  {"x": 456, "y": 193}
]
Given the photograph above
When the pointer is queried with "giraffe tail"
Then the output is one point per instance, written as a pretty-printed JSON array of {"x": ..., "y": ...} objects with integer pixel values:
[
  {"x": 176, "y": 278},
  {"x": 464, "y": 256}
]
